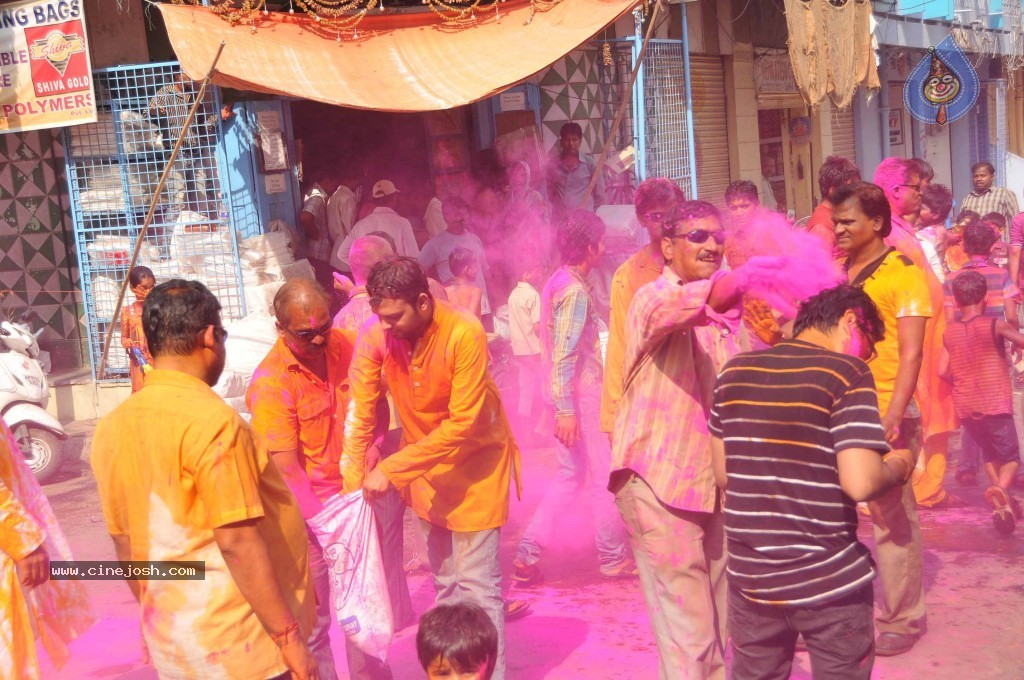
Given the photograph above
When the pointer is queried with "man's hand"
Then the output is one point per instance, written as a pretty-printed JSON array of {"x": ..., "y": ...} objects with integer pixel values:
[
  {"x": 226, "y": 112},
  {"x": 567, "y": 430},
  {"x": 905, "y": 468},
  {"x": 342, "y": 283},
  {"x": 376, "y": 484},
  {"x": 34, "y": 568},
  {"x": 891, "y": 426},
  {"x": 299, "y": 659},
  {"x": 771, "y": 279}
]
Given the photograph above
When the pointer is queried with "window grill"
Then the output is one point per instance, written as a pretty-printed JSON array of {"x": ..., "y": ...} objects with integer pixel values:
[
  {"x": 665, "y": 120},
  {"x": 114, "y": 166}
]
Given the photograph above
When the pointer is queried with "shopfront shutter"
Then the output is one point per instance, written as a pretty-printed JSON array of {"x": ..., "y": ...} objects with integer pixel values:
[
  {"x": 843, "y": 143},
  {"x": 711, "y": 134}
]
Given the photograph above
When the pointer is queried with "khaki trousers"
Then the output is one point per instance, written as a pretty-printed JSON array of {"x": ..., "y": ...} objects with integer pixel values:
[
  {"x": 898, "y": 548},
  {"x": 681, "y": 559}
]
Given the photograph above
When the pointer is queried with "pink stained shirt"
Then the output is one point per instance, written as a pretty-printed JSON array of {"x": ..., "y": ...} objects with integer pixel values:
[{"x": 675, "y": 346}]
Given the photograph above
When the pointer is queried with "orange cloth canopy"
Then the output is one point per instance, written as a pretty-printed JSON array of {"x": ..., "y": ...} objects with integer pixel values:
[{"x": 397, "y": 62}]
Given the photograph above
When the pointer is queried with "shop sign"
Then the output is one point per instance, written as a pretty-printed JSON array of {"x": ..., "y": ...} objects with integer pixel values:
[
  {"x": 773, "y": 74},
  {"x": 895, "y": 127},
  {"x": 45, "y": 69},
  {"x": 512, "y": 101}
]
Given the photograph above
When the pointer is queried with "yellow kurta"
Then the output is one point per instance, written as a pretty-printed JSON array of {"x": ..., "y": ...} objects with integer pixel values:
[{"x": 57, "y": 610}]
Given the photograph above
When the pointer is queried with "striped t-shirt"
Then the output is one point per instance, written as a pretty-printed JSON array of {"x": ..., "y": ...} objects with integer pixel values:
[{"x": 783, "y": 414}]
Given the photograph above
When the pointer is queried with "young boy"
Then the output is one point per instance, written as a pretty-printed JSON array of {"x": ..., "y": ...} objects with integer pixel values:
[
  {"x": 936, "y": 202},
  {"x": 524, "y": 327},
  {"x": 462, "y": 289},
  {"x": 973, "y": 359},
  {"x": 457, "y": 641},
  {"x": 955, "y": 256},
  {"x": 1000, "y": 254}
]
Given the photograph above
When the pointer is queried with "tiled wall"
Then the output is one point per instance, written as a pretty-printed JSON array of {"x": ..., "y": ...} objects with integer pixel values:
[
  {"x": 570, "y": 91},
  {"x": 37, "y": 261}
]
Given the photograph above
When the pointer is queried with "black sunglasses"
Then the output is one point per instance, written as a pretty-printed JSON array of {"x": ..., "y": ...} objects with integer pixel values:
[
  {"x": 699, "y": 236},
  {"x": 312, "y": 333}
]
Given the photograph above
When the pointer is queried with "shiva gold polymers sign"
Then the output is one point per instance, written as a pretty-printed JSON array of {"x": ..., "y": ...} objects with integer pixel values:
[{"x": 45, "y": 70}]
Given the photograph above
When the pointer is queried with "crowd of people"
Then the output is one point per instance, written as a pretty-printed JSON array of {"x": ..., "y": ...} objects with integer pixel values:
[{"x": 726, "y": 446}]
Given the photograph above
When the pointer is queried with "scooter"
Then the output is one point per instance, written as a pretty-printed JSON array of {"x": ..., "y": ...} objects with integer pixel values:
[{"x": 24, "y": 394}]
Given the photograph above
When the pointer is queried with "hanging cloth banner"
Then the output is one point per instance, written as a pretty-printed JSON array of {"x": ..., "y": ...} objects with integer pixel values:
[
  {"x": 45, "y": 70},
  {"x": 830, "y": 47},
  {"x": 393, "y": 62}
]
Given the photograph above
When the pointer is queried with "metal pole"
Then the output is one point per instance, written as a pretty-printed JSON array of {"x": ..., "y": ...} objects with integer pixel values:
[
  {"x": 101, "y": 369},
  {"x": 636, "y": 94},
  {"x": 622, "y": 107},
  {"x": 690, "y": 142}
]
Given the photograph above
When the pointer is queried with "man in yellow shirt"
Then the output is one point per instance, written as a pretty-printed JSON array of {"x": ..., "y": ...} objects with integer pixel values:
[
  {"x": 180, "y": 478},
  {"x": 863, "y": 220},
  {"x": 459, "y": 457},
  {"x": 654, "y": 201}
]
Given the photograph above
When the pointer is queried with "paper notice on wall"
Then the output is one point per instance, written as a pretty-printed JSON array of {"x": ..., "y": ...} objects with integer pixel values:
[
  {"x": 276, "y": 183},
  {"x": 45, "y": 68}
]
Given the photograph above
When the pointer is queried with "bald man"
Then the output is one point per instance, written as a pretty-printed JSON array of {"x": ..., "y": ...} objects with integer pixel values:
[
  {"x": 298, "y": 398},
  {"x": 367, "y": 251}
]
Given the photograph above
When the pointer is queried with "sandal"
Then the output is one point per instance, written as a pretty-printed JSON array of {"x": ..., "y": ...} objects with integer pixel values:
[
  {"x": 516, "y": 609},
  {"x": 626, "y": 569},
  {"x": 1003, "y": 518}
]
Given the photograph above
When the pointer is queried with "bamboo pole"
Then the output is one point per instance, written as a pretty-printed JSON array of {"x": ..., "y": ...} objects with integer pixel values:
[
  {"x": 102, "y": 368},
  {"x": 622, "y": 106}
]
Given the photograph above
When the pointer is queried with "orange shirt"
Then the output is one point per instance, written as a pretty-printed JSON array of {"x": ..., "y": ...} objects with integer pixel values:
[
  {"x": 293, "y": 410},
  {"x": 458, "y": 454},
  {"x": 173, "y": 463},
  {"x": 934, "y": 396},
  {"x": 636, "y": 272}
]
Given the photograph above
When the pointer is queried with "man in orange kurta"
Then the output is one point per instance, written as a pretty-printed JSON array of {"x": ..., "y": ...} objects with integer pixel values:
[
  {"x": 901, "y": 182},
  {"x": 458, "y": 457}
]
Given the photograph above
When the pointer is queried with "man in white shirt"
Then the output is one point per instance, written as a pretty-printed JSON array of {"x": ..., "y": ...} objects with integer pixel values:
[
  {"x": 342, "y": 205},
  {"x": 524, "y": 331},
  {"x": 434, "y": 256},
  {"x": 383, "y": 218}
]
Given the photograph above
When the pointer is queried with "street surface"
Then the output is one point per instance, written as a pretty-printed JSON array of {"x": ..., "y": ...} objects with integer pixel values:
[{"x": 583, "y": 626}]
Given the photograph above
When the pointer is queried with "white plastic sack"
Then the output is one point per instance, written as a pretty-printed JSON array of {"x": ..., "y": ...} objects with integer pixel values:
[{"x": 359, "y": 591}]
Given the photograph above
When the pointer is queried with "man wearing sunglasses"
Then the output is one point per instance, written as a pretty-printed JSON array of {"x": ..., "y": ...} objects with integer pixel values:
[
  {"x": 298, "y": 398},
  {"x": 901, "y": 180},
  {"x": 863, "y": 221},
  {"x": 680, "y": 329}
]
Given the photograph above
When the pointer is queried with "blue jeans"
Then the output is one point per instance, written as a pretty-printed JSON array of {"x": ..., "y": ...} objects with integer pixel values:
[
  {"x": 465, "y": 566},
  {"x": 840, "y": 637},
  {"x": 586, "y": 465}
]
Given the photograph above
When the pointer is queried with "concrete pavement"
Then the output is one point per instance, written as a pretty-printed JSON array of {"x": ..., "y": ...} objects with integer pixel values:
[{"x": 583, "y": 626}]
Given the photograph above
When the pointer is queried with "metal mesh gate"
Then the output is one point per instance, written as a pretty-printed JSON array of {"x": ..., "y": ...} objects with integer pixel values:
[
  {"x": 666, "y": 130},
  {"x": 614, "y": 68},
  {"x": 113, "y": 168}
]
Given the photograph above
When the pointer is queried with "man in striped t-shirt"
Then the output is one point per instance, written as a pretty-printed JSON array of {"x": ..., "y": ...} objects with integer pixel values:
[{"x": 796, "y": 442}]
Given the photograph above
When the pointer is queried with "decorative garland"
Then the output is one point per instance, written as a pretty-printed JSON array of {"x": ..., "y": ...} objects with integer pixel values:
[{"x": 334, "y": 17}]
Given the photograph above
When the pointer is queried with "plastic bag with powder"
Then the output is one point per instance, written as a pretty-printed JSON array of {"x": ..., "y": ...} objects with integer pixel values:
[{"x": 346, "y": 530}]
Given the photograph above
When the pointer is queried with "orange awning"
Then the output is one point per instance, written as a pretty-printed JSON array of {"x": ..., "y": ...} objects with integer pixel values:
[{"x": 398, "y": 62}]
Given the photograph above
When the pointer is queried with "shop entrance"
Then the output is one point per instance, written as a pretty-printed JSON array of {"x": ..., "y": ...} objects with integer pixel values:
[
  {"x": 784, "y": 136},
  {"x": 391, "y": 146}
]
